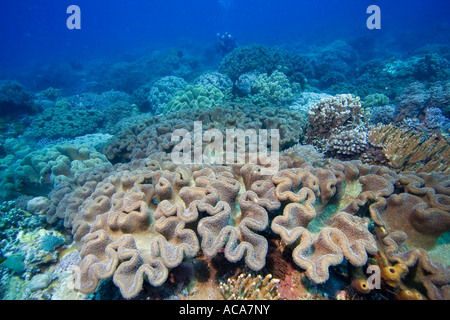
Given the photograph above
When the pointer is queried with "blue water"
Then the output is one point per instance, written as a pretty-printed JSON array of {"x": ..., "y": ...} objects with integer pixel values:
[{"x": 35, "y": 32}]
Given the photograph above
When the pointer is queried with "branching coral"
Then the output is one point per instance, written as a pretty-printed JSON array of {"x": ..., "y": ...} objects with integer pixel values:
[
  {"x": 250, "y": 288},
  {"x": 406, "y": 149},
  {"x": 331, "y": 116},
  {"x": 349, "y": 142}
]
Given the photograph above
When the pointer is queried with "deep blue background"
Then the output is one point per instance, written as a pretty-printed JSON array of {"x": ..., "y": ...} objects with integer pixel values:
[{"x": 35, "y": 31}]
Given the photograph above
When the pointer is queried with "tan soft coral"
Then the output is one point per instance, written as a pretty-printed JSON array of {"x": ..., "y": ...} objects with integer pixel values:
[
  {"x": 408, "y": 224},
  {"x": 139, "y": 220},
  {"x": 147, "y": 218},
  {"x": 346, "y": 237},
  {"x": 434, "y": 277},
  {"x": 405, "y": 149},
  {"x": 240, "y": 237},
  {"x": 123, "y": 234}
]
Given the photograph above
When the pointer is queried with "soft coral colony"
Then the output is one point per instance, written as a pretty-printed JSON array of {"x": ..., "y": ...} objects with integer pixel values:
[
  {"x": 135, "y": 222},
  {"x": 357, "y": 195},
  {"x": 139, "y": 220}
]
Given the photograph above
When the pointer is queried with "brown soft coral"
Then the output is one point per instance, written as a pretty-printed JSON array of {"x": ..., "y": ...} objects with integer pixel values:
[
  {"x": 236, "y": 227},
  {"x": 422, "y": 224},
  {"x": 346, "y": 237},
  {"x": 139, "y": 220},
  {"x": 122, "y": 232},
  {"x": 144, "y": 220},
  {"x": 405, "y": 149},
  {"x": 410, "y": 212},
  {"x": 435, "y": 277},
  {"x": 103, "y": 258}
]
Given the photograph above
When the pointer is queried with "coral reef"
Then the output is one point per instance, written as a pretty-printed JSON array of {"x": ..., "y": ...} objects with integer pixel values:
[
  {"x": 381, "y": 114},
  {"x": 408, "y": 224},
  {"x": 193, "y": 97},
  {"x": 215, "y": 79},
  {"x": 38, "y": 172},
  {"x": 308, "y": 152},
  {"x": 375, "y": 99},
  {"x": 261, "y": 59},
  {"x": 417, "y": 97},
  {"x": 163, "y": 91},
  {"x": 317, "y": 253},
  {"x": 97, "y": 208},
  {"x": 246, "y": 81},
  {"x": 304, "y": 101},
  {"x": 14, "y": 220},
  {"x": 79, "y": 115},
  {"x": 61, "y": 120},
  {"x": 52, "y": 94},
  {"x": 274, "y": 89},
  {"x": 348, "y": 143},
  {"x": 14, "y": 98},
  {"x": 146, "y": 217},
  {"x": 127, "y": 76},
  {"x": 419, "y": 67},
  {"x": 154, "y": 134},
  {"x": 435, "y": 121},
  {"x": 115, "y": 224}
]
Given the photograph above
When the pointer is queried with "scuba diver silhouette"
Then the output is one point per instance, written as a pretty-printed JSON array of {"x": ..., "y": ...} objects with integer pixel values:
[{"x": 225, "y": 43}]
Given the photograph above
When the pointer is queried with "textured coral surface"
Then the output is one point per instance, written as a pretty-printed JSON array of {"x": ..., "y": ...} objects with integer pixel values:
[{"x": 138, "y": 221}]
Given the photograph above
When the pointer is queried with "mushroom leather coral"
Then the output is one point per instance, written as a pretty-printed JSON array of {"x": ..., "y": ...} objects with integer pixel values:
[
  {"x": 347, "y": 236},
  {"x": 138, "y": 220},
  {"x": 409, "y": 223}
]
